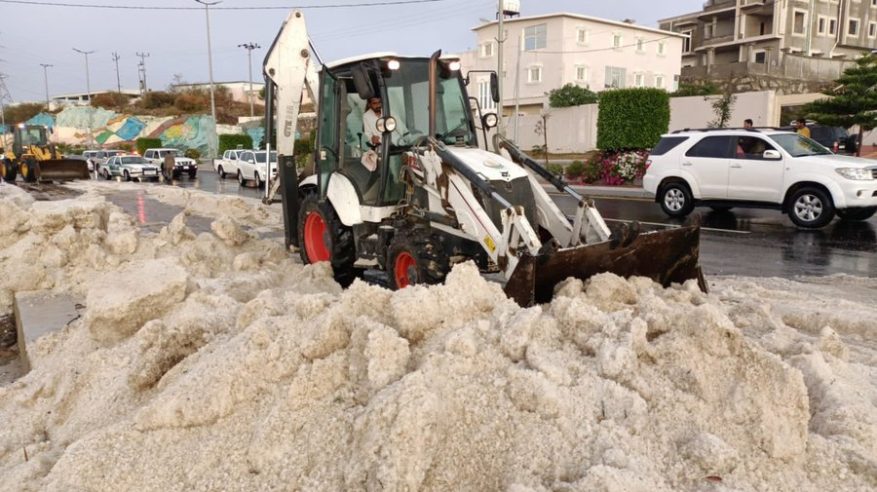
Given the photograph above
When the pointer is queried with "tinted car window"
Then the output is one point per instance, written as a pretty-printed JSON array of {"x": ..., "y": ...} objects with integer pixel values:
[
  {"x": 667, "y": 144},
  {"x": 715, "y": 147}
]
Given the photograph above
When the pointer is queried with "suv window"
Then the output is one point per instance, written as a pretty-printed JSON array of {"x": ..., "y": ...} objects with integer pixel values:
[
  {"x": 751, "y": 148},
  {"x": 148, "y": 154},
  {"x": 233, "y": 155},
  {"x": 714, "y": 147},
  {"x": 247, "y": 157},
  {"x": 667, "y": 144}
]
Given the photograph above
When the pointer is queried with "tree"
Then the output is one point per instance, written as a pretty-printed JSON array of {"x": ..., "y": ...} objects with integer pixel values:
[
  {"x": 853, "y": 101},
  {"x": 705, "y": 89},
  {"x": 20, "y": 113},
  {"x": 723, "y": 107},
  {"x": 571, "y": 95}
]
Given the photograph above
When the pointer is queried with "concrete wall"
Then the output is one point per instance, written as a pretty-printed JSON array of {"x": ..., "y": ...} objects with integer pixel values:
[
  {"x": 570, "y": 130},
  {"x": 697, "y": 111}
]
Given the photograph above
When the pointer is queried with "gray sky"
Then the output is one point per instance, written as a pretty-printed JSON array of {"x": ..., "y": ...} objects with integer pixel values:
[{"x": 176, "y": 40}]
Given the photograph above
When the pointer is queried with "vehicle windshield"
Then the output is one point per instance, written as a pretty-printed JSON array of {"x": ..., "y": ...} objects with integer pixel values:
[
  {"x": 162, "y": 153},
  {"x": 33, "y": 136},
  {"x": 799, "y": 146},
  {"x": 408, "y": 94},
  {"x": 133, "y": 160},
  {"x": 260, "y": 157}
]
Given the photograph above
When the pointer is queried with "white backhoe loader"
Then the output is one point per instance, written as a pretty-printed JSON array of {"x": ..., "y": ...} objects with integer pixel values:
[{"x": 405, "y": 209}]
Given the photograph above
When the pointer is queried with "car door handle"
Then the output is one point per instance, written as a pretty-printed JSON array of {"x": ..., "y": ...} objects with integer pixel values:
[
  {"x": 736, "y": 166},
  {"x": 686, "y": 163}
]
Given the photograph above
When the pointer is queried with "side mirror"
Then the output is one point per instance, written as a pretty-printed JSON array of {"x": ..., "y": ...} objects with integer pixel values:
[
  {"x": 362, "y": 80},
  {"x": 489, "y": 120},
  {"x": 772, "y": 155},
  {"x": 494, "y": 87}
]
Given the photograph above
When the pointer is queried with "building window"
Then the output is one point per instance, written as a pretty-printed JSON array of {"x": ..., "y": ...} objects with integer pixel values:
[
  {"x": 582, "y": 36},
  {"x": 853, "y": 27},
  {"x": 640, "y": 45},
  {"x": 534, "y": 75},
  {"x": 872, "y": 29},
  {"x": 616, "y": 77},
  {"x": 616, "y": 40},
  {"x": 760, "y": 57},
  {"x": 487, "y": 50},
  {"x": 799, "y": 25},
  {"x": 821, "y": 25},
  {"x": 485, "y": 98},
  {"x": 659, "y": 81},
  {"x": 832, "y": 27},
  {"x": 662, "y": 48},
  {"x": 535, "y": 37},
  {"x": 686, "y": 41},
  {"x": 639, "y": 80},
  {"x": 582, "y": 73}
]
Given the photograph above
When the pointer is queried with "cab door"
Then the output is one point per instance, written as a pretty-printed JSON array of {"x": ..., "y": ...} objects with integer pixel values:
[
  {"x": 328, "y": 139},
  {"x": 707, "y": 163}
]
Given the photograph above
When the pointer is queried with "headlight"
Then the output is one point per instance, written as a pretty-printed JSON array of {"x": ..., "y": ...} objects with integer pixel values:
[
  {"x": 393, "y": 64},
  {"x": 855, "y": 173},
  {"x": 390, "y": 124}
]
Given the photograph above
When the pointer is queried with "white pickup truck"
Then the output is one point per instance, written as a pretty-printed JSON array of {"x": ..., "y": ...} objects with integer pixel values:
[
  {"x": 227, "y": 165},
  {"x": 181, "y": 164}
]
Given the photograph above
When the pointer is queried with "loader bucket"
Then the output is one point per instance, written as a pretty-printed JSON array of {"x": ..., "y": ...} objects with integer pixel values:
[
  {"x": 59, "y": 170},
  {"x": 667, "y": 257}
]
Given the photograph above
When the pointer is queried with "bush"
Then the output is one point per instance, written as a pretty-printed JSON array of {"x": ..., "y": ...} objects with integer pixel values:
[
  {"x": 109, "y": 100},
  {"x": 157, "y": 99},
  {"x": 555, "y": 169},
  {"x": 622, "y": 167},
  {"x": 232, "y": 141},
  {"x": 705, "y": 89},
  {"x": 190, "y": 103},
  {"x": 192, "y": 154},
  {"x": 126, "y": 146},
  {"x": 571, "y": 95},
  {"x": 632, "y": 118},
  {"x": 20, "y": 113},
  {"x": 147, "y": 143},
  {"x": 575, "y": 170},
  {"x": 593, "y": 169}
]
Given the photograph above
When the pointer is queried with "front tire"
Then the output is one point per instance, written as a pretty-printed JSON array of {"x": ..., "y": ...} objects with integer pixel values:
[
  {"x": 857, "y": 213},
  {"x": 811, "y": 208},
  {"x": 221, "y": 172},
  {"x": 676, "y": 199},
  {"x": 322, "y": 237},
  {"x": 30, "y": 170},
  {"x": 127, "y": 176},
  {"x": 258, "y": 180},
  {"x": 241, "y": 180},
  {"x": 192, "y": 174},
  {"x": 416, "y": 257},
  {"x": 8, "y": 170}
]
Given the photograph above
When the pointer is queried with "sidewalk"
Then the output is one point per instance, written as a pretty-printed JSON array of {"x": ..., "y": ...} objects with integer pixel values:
[{"x": 606, "y": 191}]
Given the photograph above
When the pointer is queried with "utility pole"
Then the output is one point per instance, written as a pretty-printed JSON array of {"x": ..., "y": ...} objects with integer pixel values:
[
  {"x": 141, "y": 72},
  {"x": 210, "y": 55},
  {"x": 118, "y": 80},
  {"x": 250, "y": 47},
  {"x": 500, "y": 39},
  {"x": 3, "y": 92},
  {"x": 46, "y": 67},
  {"x": 88, "y": 89}
]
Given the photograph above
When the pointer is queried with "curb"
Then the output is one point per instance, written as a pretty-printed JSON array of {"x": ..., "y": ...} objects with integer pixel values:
[{"x": 606, "y": 191}]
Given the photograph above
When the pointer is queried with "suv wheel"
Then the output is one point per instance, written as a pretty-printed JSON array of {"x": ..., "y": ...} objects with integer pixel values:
[
  {"x": 811, "y": 208},
  {"x": 676, "y": 199},
  {"x": 221, "y": 172}
]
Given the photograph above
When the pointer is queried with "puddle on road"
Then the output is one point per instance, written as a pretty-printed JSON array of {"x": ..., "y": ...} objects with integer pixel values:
[{"x": 152, "y": 214}]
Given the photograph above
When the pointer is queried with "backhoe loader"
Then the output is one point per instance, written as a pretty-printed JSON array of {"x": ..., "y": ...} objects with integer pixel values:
[
  {"x": 405, "y": 207},
  {"x": 36, "y": 159}
]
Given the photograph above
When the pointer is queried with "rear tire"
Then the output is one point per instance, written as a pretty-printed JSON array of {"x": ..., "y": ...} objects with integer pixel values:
[
  {"x": 127, "y": 176},
  {"x": 857, "y": 214},
  {"x": 241, "y": 180},
  {"x": 811, "y": 208},
  {"x": 30, "y": 170},
  {"x": 221, "y": 172},
  {"x": 322, "y": 237},
  {"x": 676, "y": 199},
  {"x": 416, "y": 256},
  {"x": 258, "y": 180}
]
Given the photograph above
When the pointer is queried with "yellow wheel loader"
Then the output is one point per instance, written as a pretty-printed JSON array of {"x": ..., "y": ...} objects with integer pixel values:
[
  {"x": 403, "y": 190},
  {"x": 35, "y": 159}
]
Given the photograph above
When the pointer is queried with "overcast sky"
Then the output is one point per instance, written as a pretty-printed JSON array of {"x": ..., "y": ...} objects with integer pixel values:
[{"x": 177, "y": 41}]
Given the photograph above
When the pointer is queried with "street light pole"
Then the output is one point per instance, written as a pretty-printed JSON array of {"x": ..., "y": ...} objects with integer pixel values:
[
  {"x": 116, "y": 58},
  {"x": 500, "y": 40},
  {"x": 250, "y": 47},
  {"x": 210, "y": 55},
  {"x": 46, "y": 67},
  {"x": 88, "y": 89}
]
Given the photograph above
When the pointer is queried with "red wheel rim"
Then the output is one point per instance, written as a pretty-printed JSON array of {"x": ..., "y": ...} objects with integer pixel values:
[
  {"x": 404, "y": 261},
  {"x": 315, "y": 231}
]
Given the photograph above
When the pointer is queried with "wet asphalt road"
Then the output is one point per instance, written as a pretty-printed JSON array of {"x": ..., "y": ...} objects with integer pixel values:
[{"x": 749, "y": 242}]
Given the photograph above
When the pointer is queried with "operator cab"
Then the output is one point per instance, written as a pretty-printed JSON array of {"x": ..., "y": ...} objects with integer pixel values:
[{"x": 402, "y": 86}]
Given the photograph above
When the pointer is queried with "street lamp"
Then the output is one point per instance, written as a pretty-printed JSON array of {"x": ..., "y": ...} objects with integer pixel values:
[
  {"x": 88, "y": 89},
  {"x": 207, "y": 6},
  {"x": 250, "y": 47},
  {"x": 46, "y": 67}
]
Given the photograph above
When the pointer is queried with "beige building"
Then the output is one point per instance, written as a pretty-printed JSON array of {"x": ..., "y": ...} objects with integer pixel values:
[
  {"x": 239, "y": 91},
  {"x": 810, "y": 39},
  {"x": 545, "y": 52}
]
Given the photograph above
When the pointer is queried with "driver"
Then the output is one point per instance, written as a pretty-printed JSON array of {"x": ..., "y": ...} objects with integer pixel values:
[{"x": 370, "y": 119}]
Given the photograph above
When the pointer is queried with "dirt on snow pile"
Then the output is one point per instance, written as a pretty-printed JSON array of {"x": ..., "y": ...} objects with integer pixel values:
[{"x": 218, "y": 362}]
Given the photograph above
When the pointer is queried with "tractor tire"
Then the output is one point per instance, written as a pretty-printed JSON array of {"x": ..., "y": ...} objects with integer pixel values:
[
  {"x": 8, "y": 170},
  {"x": 322, "y": 237},
  {"x": 30, "y": 170},
  {"x": 416, "y": 256}
]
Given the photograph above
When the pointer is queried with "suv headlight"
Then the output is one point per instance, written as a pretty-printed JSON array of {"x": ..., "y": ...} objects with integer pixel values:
[{"x": 855, "y": 173}]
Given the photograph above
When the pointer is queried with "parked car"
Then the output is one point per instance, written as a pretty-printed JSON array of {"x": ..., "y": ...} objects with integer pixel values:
[
  {"x": 836, "y": 138},
  {"x": 252, "y": 166},
  {"x": 129, "y": 167},
  {"x": 181, "y": 164},
  {"x": 99, "y": 156},
  {"x": 228, "y": 163},
  {"x": 760, "y": 168}
]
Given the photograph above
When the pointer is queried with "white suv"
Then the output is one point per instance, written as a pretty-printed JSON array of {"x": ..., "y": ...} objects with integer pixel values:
[
  {"x": 760, "y": 168},
  {"x": 181, "y": 164}
]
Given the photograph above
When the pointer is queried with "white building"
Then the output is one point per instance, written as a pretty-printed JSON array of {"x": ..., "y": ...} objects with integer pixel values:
[
  {"x": 239, "y": 91},
  {"x": 82, "y": 98},
  {"x": 545, "y": 52}
]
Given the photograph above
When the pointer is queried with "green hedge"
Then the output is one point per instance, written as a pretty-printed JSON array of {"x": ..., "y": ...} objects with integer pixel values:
[
  {"x": 147, "y": 143},
  {"x": 632, "y": 118},
  {"x": 231, "y": 142}
]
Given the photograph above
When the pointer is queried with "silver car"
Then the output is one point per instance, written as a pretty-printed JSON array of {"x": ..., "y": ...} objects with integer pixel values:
[{"x": 129, "y": 167}]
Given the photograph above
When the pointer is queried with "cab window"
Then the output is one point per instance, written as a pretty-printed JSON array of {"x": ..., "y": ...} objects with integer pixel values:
[{"x": 751, "y": 148}]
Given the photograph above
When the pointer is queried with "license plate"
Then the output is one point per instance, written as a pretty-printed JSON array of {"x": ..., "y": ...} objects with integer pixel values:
[{"x": 148, "y": 172}]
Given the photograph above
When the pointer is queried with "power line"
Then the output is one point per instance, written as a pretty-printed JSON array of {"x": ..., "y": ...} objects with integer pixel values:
[{"x": 139, "y": 7}]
